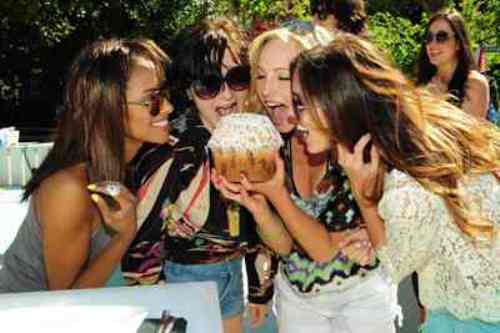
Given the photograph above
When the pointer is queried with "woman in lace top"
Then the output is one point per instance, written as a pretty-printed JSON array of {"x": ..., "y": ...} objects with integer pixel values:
[{"x": 437, "y": 211}]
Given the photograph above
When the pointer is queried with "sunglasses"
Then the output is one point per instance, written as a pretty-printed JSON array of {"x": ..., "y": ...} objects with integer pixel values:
[
  {"x": 440, "y": 37},
  {"x": 154, "y": 103},
  {"x": 209, "y": 86}
]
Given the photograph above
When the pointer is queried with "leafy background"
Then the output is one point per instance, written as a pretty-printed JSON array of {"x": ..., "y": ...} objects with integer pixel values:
[{"x": 38, "y": 39}]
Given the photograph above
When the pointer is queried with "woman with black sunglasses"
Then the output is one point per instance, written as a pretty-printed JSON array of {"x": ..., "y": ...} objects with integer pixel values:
[
  {"x": 446, "y": 64},
  {"x": 190, "y": 219}
]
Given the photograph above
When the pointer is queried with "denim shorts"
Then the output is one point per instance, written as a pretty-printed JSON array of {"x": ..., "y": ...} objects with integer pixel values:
[
  {"x": 228, "y": 276},
  {"x": 444, "y": 322}
]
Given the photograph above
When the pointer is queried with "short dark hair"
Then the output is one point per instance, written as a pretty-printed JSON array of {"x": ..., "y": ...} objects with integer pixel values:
[
  {"x": 198, "y": 50},
  {"x": 350, "y": 14}
]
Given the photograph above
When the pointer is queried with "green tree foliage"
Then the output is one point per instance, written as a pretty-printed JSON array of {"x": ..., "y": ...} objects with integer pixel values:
[
  {"x": 39, "y": 38},
  {"x": 399, "y": 36}
]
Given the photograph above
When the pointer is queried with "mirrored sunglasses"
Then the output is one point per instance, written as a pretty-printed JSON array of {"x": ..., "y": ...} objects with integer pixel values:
[{"x": 154, "y": 103}]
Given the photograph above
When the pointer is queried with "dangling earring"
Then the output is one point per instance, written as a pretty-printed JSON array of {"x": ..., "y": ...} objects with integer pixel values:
[{"x": 189, "y": 94}]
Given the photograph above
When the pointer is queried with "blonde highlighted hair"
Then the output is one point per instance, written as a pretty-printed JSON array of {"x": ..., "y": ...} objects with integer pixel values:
[
  {"x": 303, "y": 34},
  {"x": 418, "y": 132}
]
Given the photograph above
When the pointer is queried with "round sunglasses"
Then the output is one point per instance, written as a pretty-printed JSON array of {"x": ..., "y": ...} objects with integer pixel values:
[
  {"x": 440, "y": 37},
  {"x": 209, "y": 86},
  {"x": 154, "y": 103}
]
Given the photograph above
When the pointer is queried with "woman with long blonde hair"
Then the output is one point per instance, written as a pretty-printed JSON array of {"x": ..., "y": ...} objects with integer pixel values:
[
  {"x": 421, "y": 171},
  {"x": 307, "y": 210}
]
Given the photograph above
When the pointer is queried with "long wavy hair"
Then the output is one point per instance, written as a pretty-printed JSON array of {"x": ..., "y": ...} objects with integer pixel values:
[
  {"x": 422, "y": 134},
  {"x": 304, "y": 35},
  {"x": 426, "y": 70},
  {"x": 91, "y": 129}
]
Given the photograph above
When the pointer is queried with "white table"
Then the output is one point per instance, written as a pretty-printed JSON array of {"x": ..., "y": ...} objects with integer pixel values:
[{"x": 197, "y": 302}]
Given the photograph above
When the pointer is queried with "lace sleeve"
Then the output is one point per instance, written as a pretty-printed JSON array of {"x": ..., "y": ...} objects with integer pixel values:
[{"x": 412, "y": 219}]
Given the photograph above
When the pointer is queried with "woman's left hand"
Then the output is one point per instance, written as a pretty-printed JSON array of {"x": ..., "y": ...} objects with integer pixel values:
[
  {"x": 258, "y": 313},
  {"x": 366, "y": 178},
  {"x": 357, "y": 247}
]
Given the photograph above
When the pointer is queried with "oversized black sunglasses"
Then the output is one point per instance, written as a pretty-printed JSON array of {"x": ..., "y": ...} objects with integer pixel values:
[
  {"x": 156, "y": 99},
  {"x": 440, "y": 37},
  {"x": 208, "y": 86}
]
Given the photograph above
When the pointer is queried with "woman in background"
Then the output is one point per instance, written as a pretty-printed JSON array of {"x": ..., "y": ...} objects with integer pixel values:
[{"x": 446, "y": 64}]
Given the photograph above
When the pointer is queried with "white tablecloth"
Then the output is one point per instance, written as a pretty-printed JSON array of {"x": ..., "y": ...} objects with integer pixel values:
[{"x": 197, "y": 302}]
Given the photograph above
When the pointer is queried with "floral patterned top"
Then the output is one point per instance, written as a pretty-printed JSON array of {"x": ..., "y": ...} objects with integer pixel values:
[
  {"x": 186, "y": 220},
  {"x": 455, "y": 273},
  {"x": 334, "y": 206}
]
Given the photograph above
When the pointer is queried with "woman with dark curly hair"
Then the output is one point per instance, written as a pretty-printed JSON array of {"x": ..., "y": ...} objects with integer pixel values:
[
  {"x": 447, "y": 65},
  {"x": 188, "y": 231}
]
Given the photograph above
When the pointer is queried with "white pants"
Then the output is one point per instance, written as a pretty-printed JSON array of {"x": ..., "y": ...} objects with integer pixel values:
[{"x": 369, "y": 307}]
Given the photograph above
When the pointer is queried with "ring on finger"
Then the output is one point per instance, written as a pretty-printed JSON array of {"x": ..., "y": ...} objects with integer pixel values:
[{"x": 113, "y": 189}]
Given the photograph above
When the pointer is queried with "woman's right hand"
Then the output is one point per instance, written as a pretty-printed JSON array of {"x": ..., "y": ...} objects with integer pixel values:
[
  {"x": 121, "y": 218},
  {"x": 256, "y": 203}
]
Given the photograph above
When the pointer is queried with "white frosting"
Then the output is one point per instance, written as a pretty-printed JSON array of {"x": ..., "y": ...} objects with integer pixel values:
[{"x": 245, "y": 132}]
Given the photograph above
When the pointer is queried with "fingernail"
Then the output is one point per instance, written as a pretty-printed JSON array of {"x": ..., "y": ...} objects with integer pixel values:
[
  {"x": 94, "y": 197},
  {"x": 92, "y": 187}
]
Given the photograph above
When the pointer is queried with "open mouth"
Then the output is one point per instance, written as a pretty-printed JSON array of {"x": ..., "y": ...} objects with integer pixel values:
[
  {"x": 279, "y": 113},
  {"x": 225, "y": 110},
  {"x": 161, "y": 124},
  {"x": 302, "y": 131}
]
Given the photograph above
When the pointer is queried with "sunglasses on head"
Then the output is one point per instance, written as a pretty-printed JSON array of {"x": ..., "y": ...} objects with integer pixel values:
[
  {"x": 440, "y": 37},
  {"x": 209, "y": 86},
  {"x": 156, "y": 99}
]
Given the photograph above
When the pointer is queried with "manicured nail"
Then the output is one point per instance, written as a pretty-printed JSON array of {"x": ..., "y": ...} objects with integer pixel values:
[
  {"x": 94, "y": 197},
  {"x": 92, "y": 187}
]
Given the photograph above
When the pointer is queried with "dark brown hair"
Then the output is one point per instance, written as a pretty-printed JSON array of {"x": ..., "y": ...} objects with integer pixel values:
[
  {"x": 91, "y": 127},
  {"x": 198, "y": 50},
  {"x": 350, "y": 14},
  {"x": 426, "y": 71}
]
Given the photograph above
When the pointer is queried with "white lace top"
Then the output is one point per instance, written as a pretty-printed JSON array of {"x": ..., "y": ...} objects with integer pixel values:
[{"x": 454, "y": 274}]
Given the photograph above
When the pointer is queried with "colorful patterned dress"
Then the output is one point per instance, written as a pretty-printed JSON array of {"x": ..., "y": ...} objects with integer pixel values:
[{"x": 185, "y": 220}]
